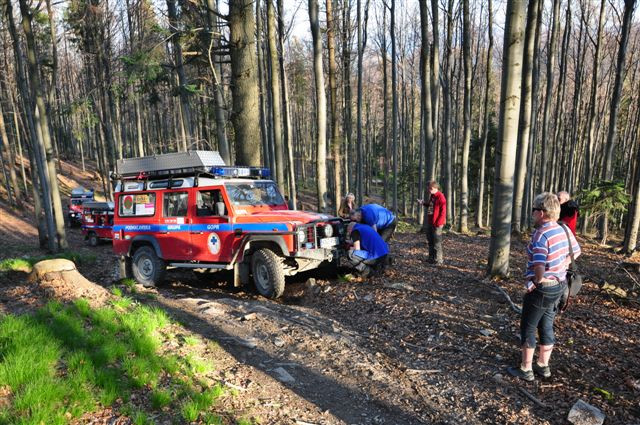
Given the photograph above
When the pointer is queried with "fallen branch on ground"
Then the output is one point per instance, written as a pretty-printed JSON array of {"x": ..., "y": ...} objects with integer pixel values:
[{"x": 514, "y": 307}]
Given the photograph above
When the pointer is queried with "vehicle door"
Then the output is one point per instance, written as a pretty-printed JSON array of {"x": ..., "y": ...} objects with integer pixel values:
[
  {"x": 211, "y": 231},
  {"x": 173, "y": 231}
]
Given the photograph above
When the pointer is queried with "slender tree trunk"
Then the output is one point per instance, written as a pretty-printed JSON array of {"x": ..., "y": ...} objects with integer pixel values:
[
  {"x": 276, "y": 96},
  {"x": 551, "y": 62},
  {"x": 591, "y": 135},
  {"x": 612, "y": 132},
  {"x": 321, "y": 111},
  {"x": 533, "y": 22},
  {"x": 333, "y": 90},
  {"x": 435, "y": 73},
  {"x": 447, "y": 151},
  {"x": 46, "y": 229},
  {"x": 43, "y": 121},
  {"x": 394, "y": 107},
  {"x": 464, "y": 166},
  {"x": 485, "y": 130},
  {"x": 288, "y": 130},
  {"x": 346, "y": 81},
  {"x": 427, "y": 143},
  {"x": 245, "y": 116},
  {"x": 13, "y": 190},
  {"x": 218, "y": 99},
  {"x": 182, "y": 79},
  {"x": 261, "y": 87},
  {"x": 499, "y": 249}
]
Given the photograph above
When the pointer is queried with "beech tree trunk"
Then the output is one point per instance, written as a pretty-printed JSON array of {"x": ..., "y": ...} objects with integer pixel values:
[
  {"x": 276, "y": 96},
  {"x": 43, "y": 123},
  {"x": 394, "y": 107},
  {"x": 612, "y": 132},
  {"x": 333, "y": 90},
  {"x": 485, "y": 128},
  {"x": 321, "y": 109},
  {"x": 551, "y": 62},
  {"x": 499, "y": 248},
  {"x": 245, "y": 115},
  {"x": 464, "y": 166},
  {"x": 524, "y": 129}
]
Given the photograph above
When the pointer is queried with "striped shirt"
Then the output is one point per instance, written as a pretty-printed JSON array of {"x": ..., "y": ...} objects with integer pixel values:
[{"x": 549, "y": 247}]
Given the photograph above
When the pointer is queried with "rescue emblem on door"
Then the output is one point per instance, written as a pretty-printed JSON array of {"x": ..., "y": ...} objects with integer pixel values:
[{"x": 213, "y": 242}]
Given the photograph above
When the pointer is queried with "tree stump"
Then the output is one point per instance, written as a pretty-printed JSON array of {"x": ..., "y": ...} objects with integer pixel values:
[{"x": 59, "y": 279}]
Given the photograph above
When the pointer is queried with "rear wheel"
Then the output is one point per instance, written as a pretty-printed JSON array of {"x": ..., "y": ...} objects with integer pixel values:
[
  {"x": 147, "y": 268},
  {"x": 93, "y": 239},
  {"x": 268, "y": 273}
]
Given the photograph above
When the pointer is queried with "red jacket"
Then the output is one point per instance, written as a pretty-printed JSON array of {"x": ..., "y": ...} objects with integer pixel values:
[
  {"x": 569, "y": 214},
  {"x": 437, "y": 209}
]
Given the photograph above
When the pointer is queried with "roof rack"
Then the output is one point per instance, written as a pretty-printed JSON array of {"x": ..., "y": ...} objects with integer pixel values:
[
  {"x": 98, "y": 206},
  {"x": 179, "y": 164},
  {"x": 81, "y": 192},
  {"x": 169, "y": 164}
]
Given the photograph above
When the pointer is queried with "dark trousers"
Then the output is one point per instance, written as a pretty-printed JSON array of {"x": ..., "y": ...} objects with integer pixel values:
[
  {"x": 363, "y": 265},
  {"x": 539, "y": 309},
  {"x": 434, "y": 239},
  {"x": 387, "y": 232}
]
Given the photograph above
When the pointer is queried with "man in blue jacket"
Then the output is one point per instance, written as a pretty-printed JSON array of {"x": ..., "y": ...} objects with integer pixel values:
[
  {"x": 368, "y": 251},
  {"x": 381, "y": 219}
]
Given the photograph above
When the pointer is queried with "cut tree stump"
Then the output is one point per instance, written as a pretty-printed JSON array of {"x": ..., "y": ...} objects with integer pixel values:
[{"x": 59, "y": 279}]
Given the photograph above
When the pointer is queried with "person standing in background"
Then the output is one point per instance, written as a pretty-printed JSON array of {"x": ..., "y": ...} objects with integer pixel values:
[
  {"x": 436, "y": 219},
  {"x": 568, "y": 210}
]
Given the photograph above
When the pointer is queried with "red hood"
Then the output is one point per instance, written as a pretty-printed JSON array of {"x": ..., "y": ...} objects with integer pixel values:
[{"x": 280, "y": 216}]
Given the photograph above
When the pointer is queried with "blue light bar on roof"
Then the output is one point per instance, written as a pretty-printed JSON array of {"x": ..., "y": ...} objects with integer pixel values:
[{"x": 255, "y": 172}]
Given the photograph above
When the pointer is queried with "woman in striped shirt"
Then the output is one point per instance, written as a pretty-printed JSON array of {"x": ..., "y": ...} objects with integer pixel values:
[{"x": 546, "y": 275}]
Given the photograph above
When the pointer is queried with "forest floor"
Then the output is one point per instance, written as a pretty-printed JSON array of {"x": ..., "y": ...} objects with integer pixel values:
[{"x": 420, "y": 344}]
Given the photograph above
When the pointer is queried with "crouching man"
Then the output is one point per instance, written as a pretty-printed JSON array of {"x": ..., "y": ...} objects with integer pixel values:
[{"x": 368, "y": 252}]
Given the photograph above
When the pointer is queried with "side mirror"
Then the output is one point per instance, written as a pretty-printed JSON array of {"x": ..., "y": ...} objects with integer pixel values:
[{"x": 220, "y": 209}]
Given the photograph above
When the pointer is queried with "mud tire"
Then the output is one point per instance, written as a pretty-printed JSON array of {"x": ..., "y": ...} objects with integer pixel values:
[
  {"x": 147, "y": 268},
  {"x": 268, "y": 273}
]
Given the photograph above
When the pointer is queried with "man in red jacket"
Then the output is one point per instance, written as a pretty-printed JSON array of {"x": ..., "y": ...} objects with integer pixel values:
[
  {"x": 436, "y": 219},
  {"x": 568, "y": 210}
]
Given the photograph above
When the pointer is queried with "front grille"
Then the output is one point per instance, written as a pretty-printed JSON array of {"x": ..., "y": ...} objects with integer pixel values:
[{"x": 312, "y": 235}]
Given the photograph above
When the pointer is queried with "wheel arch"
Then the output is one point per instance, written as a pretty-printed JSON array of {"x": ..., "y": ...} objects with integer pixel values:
[
  {"x": 144, "y": 240},
  {"x": 252, "y": 243}
]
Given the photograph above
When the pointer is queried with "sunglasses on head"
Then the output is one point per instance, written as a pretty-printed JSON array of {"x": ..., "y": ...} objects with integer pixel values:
[{"x": 538, "y": 209}]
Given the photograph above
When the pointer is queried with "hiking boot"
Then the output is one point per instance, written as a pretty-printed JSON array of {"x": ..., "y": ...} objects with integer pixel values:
[
  {"x": 544, "y": 371},
  {"x": 365, "y": 273},
  {"x": 526, "y": 375}
]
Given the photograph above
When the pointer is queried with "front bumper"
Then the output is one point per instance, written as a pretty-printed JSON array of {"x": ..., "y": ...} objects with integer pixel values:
[{"x": 318, "y": 254}]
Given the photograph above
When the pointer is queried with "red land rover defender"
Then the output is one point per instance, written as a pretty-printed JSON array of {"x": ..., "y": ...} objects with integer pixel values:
[
  {"x": 97, "y": 221},
  {"x": 189, "y": 210}
]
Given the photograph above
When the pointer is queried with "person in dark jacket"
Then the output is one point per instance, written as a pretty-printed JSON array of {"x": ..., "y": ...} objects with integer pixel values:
[
  {"x": 368, "y": 250},
  {"x": 347, "y": 206},
  {"x": 436, "y": 219},
  {"x": 568, "y": 210},
  {"x": 381, "y": 219}
]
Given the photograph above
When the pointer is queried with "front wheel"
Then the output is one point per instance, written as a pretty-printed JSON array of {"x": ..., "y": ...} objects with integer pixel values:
[
  {"x": 268, "y": 273},
  {"x": 147, "y": 268},
  {"x": 93, "y": 239}
]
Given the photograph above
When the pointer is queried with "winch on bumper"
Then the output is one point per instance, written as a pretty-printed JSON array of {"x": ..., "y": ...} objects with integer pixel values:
[{"x": 317, "y": 243}]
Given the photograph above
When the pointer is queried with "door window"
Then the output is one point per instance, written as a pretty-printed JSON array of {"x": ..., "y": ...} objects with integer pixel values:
[
  {"x": 175, "y": 204},
  {"x": 207, "y": 203}
]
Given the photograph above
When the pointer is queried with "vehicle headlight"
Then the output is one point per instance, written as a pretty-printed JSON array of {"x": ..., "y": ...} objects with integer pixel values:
[
  {"x": 302, "y": 236},
  {"x": 328, "y": 231}
]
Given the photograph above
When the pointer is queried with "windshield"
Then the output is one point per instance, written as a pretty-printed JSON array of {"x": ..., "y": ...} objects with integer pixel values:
[
  {"x": 77, "y": 201},
  {"x": 254, "y": 193}
]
